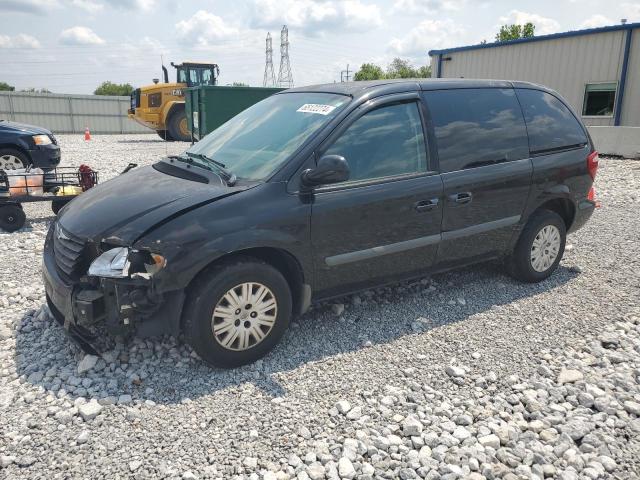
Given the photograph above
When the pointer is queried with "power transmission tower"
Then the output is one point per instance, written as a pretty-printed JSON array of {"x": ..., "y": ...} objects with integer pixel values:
[
  {"x": 344, "y": 74},
  {"x": 285, "y": 78},
  {"x": 269, "y": 76}
]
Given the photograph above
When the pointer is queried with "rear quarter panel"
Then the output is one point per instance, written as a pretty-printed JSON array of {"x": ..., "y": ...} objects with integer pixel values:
[{"x": 559, "y": 175}]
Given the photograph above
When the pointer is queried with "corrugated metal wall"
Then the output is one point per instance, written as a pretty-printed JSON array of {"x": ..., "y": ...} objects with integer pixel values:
[
  {"x": 70, "y": 113},
  {"x": 563, "y": 64}
]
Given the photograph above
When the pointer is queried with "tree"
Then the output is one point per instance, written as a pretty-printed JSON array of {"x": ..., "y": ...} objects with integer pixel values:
[
  {"x": 368, "y": 71},
  {"x": 513, "y": 32},
  {"x": 398, "y": 68},
  {"x": 110, "y": 88},
  {"x": 5, "y": 87}
]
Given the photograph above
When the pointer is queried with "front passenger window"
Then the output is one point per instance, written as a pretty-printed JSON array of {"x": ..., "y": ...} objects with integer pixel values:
[{"x": 384, "y": 142}]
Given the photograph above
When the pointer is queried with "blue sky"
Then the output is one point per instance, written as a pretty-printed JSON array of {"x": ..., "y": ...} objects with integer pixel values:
[{"x": 71, "y": 46}]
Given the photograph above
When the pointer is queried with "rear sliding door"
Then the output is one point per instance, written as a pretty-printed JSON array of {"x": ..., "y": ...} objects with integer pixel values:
[{"x": 483, "y": 157}]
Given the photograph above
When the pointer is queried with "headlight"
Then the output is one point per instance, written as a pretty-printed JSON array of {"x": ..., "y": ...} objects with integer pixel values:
[
  {"x": 113, "y": 263},
  {"x": 41, "y": 139},
  {"x": 120, "y": 262}
]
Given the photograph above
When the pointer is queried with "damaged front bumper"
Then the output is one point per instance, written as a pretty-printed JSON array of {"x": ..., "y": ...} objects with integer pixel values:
[{"x": 93, "y": 310}]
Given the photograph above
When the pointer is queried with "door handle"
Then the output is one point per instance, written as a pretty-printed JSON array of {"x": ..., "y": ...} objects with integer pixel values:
[
  {"x": 425, "y": 205},
  {"x": 461, "y": 197}
]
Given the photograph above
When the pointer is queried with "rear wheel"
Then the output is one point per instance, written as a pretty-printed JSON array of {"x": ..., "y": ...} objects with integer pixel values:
[
  {"x": 12, "y": 159},
  {"x": 237, "y": 312},
  {"x": 177, "y": 125},
  {"x": 12, "y": 217},
  {"x": 540, "y": 247}
]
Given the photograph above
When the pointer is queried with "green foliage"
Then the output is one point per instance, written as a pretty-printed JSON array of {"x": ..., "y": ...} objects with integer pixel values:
[
  {"x": 110, "y": 88},
  {"x": 369, "y": 71},
  {"x": 398, "y": 68},
  {"x": 513, "y": 32},
  {"x": 5, "y": 87}
]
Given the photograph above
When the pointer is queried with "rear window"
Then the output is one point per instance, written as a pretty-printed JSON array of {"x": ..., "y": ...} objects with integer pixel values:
[
  {"x": 476, "y": 127},
  {"x": 550, "y": 124}
]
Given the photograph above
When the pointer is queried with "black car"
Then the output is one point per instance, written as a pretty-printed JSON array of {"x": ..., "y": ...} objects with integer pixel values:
[
  {"x": 314, "y": 193},
  {"x": 24, "y": 145}
]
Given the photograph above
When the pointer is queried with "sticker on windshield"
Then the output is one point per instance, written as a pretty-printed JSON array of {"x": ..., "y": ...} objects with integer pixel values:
[{"x": 316, "y": 108}]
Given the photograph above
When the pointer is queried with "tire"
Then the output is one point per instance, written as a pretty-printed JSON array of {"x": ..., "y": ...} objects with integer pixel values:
[
  {"x": 11, "y": 159},
  {"x": 56, "y": 205},
  {"x": 177, "y": 125},
  {"x": 548, "y": 231},
  {"x": 12, "y": 217},
  {"x": 208, "y": 296},
  {"x": 164, "y": 135}
]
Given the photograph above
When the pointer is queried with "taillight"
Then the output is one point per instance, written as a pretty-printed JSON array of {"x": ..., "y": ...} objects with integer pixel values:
[{"x": 592, "y": 164}]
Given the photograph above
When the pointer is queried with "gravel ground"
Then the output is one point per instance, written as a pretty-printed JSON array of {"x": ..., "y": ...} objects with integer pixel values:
[{"x": 468, "y": 374}]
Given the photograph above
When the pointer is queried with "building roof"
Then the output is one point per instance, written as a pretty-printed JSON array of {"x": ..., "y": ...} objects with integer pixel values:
[{"x": 571, "y": 33}]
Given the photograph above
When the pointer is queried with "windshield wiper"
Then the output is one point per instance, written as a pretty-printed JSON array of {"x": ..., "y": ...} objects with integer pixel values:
[{"x": 227, "y": 176}]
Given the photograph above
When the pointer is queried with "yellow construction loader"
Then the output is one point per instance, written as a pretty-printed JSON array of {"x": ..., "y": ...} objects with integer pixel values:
[{"x": 161, "y": 106}]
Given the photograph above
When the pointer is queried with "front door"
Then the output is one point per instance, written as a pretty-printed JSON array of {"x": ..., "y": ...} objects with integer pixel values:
[
  {"x": 484, "y": 160},
  {"x": 384, "y": 222}
]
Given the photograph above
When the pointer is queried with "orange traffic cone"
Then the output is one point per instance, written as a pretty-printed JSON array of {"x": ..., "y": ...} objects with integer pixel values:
[{"x": 87, "y": 134}]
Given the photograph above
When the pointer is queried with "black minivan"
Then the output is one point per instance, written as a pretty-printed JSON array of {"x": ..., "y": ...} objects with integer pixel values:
[{"x": 316, "y": 192}]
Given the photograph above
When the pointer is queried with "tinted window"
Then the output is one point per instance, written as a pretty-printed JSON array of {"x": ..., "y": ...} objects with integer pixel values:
[
  {"x": 384, "y": 142},
  {"x": 549, "y": 122},
  {"x": 476, "y": 127}
]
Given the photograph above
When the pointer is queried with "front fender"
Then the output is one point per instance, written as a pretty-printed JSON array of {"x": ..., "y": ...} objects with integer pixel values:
[
  {"x": 168, "y": 108},
  {"x": 261, "y": 217}
]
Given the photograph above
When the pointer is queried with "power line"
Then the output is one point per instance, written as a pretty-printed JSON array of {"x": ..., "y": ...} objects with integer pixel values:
[{"x": 285, "y": 77}]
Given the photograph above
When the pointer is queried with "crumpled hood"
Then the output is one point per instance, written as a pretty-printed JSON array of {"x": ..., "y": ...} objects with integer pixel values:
[
  {"x": 7, "y": 126},
  {"x": 131, "y": 204}
]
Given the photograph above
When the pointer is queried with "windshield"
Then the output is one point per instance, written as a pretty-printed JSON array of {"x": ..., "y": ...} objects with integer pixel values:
[{"x": 254, "y": 143}]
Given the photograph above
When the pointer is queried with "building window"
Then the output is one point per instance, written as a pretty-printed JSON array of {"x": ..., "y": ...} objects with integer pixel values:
[{"x": 599, "y": 99}]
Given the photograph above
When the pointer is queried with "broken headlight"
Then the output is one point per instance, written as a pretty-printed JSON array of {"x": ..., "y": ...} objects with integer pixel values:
[{"x": 122, "y": 262}]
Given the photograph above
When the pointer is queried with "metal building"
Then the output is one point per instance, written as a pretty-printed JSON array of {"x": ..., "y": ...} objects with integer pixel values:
[{"x": 596, "y": 70}]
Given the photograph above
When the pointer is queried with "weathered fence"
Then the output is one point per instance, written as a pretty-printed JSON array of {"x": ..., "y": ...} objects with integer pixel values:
[{"x": 63, "y": 113}]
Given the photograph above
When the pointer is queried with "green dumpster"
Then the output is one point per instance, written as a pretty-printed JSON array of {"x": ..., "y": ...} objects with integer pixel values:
[{"x": 209, "y": 106}]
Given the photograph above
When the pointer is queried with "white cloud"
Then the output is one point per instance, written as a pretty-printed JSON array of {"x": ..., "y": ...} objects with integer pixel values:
[
  {"x": 132, "y": 4},
  {"x": 427, "y": 6},
  {"x": 80, "y": 36},
  {"x": 204, "y": 29},
  {"x": 38, "y": 7},
  {"x": 89, "y": 6},
  {"x": 544, "y": 25},
  {"x": 316, "y": 16},
  {"x": 631, "y": 11},
  {"x": 19, "y": 41},
  {"x": 427, "y": 35},
  {"x": 597, "y": 21}
]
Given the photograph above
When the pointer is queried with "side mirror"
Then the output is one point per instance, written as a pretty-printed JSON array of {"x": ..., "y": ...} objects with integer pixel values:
[{"x": 330, "y": 169}]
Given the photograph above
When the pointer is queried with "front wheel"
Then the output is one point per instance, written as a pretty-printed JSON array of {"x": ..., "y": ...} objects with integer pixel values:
[
  {"x": 237, "y": 312},
  {"x": 177, "y": 126},
  {"x": 540, "y": 247}
]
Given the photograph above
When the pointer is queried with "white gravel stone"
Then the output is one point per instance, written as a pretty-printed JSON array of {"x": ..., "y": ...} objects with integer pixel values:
[
  {"x": 90, "y": 410},
  {"x": 454, "y": 371},
  {"x": 569, "y": 376},
  {"x": 87, "y": 363}
]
